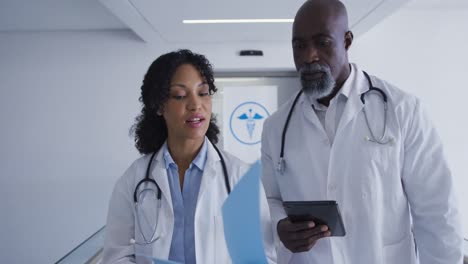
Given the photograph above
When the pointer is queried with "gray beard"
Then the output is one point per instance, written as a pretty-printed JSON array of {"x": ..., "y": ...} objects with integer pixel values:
[{"x": 317, "y": 88}]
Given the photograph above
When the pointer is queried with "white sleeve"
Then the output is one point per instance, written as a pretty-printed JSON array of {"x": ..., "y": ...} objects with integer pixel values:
[
  {"x": 120, "y": 225},
  {"x": 430, "y": 190},
  {"x": 267, "y": 231},
  {"x": 273, "y": 194}
]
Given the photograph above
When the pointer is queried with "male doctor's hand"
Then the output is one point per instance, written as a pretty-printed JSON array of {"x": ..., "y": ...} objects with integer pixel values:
[{"x": 300, "y": 236}]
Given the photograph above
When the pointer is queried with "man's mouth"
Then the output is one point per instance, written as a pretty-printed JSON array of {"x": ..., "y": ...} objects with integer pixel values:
[{"x": 312, "y": 75}]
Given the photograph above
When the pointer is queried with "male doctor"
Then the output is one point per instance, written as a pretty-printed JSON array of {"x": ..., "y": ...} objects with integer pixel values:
[{"x": 395, "y": 191}]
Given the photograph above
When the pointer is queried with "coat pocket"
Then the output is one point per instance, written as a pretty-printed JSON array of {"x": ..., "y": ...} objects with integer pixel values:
[
  {"x": 143, "y": 254},
  {"x": 402, "y": 251}
]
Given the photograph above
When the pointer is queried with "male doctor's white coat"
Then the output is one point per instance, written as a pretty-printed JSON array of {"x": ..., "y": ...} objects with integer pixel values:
[
  {"x": 393, "y": 198},
  {"x": 210, "y": 245}
]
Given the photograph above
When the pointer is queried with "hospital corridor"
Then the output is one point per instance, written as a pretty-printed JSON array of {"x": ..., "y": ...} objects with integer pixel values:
[{"x": 249, "y": 131}]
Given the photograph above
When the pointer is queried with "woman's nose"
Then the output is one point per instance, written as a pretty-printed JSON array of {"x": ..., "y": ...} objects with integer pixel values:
[{"x": 194, "y": 103}]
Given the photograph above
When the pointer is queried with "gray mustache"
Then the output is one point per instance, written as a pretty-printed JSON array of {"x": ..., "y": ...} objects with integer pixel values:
[{"x": 313, "y": 68}]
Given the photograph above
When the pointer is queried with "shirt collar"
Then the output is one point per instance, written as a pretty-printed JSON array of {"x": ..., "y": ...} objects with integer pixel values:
[
  {"x": 348, "y": 84},
  {"x": 344, "y": 91},
  {"x": 199, "y": 160}
]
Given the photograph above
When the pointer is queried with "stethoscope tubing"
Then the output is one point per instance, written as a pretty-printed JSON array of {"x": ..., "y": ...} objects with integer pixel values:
[
  {"x": 382, "y": 141},
  {"x": 147, "y": 179}
]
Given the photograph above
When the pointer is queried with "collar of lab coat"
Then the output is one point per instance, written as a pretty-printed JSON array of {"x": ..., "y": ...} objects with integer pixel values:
[
  {"x": 159, "y": 173},
  {"x": 353, "y": 105},
  {"x": 357, "y": 85},
  {"x": 209, "y": 173}
]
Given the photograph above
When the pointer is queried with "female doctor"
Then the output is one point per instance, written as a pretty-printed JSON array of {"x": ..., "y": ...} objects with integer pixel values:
[{"x": 167, "y": 205}]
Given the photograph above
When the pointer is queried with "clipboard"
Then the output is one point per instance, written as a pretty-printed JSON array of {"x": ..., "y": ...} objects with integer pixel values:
[{"x": 321, "y": 212}]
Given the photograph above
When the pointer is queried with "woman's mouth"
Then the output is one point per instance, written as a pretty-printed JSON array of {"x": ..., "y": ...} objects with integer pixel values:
[{"x": 195, "y": 122}]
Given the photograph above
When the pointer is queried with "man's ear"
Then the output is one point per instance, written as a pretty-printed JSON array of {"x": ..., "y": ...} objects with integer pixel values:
[{"x": 348, "y": 39}]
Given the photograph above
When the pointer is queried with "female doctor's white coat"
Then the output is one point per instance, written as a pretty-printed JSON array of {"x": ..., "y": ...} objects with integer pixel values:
[
  {"x": 392, "y": 197},
  {"x": 210, "y": 245}
]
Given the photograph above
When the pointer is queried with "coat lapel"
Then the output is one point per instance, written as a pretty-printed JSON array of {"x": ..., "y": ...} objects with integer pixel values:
[
  {"x": 159, "y": 174},
  {"x": 209, "y": 172},
  {"x": 354, "y": 104},
  {"x": 309, "y": 113}
]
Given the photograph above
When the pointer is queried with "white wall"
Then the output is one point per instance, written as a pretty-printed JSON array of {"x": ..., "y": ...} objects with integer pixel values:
[
  {"x": 425, "y": 53},
  {"x": 66, "y": 103}
]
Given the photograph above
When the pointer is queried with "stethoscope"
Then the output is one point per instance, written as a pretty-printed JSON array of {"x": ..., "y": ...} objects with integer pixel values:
[
  {"x": 382, "y": 140},
  {"x": 137, "y": 196}
]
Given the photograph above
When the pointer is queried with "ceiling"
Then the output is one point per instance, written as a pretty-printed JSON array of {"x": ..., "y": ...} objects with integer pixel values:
[
  {"x": 158, "y": 20},
  {"x": 52, "y": 15},
  {"x": 437, "y": 4},
  {"x": 162, "y": 20},
  {"x": 166, "y": 19}
]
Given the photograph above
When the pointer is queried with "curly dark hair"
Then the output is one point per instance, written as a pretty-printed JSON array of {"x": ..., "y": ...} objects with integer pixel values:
[{"x": 150, "y": 129}]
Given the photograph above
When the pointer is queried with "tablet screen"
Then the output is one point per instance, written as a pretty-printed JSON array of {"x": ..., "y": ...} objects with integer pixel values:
[{"x": 321, "y": 212}]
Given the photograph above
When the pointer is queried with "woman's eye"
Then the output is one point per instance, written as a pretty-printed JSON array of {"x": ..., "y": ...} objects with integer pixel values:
[
  {"x": 178, "y": 97},
  {"x": 204, "y": 94}
]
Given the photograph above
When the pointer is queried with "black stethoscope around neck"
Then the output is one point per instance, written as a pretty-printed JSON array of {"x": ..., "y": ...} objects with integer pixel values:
[
  {"x": 147, "y": 179},
  {"x": 382, "y": 140}
]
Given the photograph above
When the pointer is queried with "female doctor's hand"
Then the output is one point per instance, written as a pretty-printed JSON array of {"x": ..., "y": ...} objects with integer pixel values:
[{"x": 300, "y": 236}]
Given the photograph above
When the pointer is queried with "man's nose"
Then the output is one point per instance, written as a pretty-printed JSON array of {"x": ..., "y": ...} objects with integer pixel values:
[{"x": 311, "y": 55}]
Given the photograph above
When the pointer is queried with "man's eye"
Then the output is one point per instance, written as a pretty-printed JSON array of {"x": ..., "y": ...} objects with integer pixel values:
[
  {"x": 324, "y": 43},
  {"x": 298, "y": 45}
]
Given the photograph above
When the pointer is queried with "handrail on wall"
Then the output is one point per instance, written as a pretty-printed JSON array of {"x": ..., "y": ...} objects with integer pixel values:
[{"x": 86, "y": 250}]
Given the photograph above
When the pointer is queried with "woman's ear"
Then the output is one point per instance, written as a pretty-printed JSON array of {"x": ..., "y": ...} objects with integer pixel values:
[{"x": 160, "y": 111}]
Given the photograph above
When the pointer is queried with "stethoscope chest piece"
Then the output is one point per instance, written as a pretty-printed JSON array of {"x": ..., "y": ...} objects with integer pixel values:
[{"x": 280, "y": 166}]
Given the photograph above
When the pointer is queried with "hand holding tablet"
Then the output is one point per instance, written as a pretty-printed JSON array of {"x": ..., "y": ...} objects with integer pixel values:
[{"x": 320, "y": 212}]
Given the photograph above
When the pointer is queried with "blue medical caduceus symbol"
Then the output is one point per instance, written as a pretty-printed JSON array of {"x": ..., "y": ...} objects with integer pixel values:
[{"x": 250, "y": 120}]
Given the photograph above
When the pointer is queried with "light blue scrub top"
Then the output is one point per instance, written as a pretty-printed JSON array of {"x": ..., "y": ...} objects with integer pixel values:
[{"x": 184, "y": 204}]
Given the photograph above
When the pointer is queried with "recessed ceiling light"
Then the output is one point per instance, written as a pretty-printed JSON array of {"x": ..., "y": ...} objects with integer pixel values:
[
  {"x": 237, "y": 79},
  {"x": 233, "y": 21}
]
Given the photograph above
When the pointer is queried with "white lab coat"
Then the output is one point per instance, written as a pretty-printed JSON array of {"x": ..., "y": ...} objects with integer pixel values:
[
  {"x": 210, "y": 245},
  {"x": 390, "y": 196}
]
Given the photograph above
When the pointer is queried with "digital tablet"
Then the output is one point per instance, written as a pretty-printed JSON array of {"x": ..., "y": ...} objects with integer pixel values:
[{"x": 321, "y": 212}]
